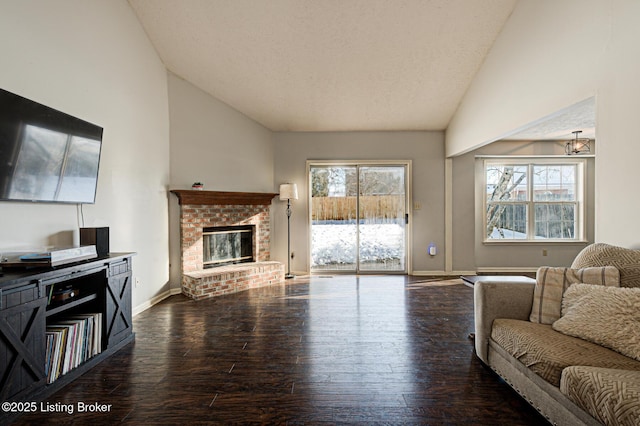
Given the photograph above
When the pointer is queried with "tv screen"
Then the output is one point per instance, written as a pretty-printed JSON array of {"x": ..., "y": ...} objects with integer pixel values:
[{"x": 46, "y": 155}]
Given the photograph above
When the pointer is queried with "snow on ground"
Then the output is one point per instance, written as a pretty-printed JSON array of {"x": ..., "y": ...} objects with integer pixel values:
[
  {"x": 334, "y": 244},
  {"x": 507, "y": 234}
]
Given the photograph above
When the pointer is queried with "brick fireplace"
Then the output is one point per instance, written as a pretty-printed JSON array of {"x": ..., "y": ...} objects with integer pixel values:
[{"x": 213, "y": 209}]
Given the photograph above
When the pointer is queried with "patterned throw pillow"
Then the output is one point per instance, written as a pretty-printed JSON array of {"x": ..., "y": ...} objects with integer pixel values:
[
  {"x": 627, "y": 261},
  {"x": 607, "y": 316},
  {"x": 551, "y": 283}
]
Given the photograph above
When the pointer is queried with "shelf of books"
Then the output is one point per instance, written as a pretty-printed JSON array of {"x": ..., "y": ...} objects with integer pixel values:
[{"x": 71, "y": 341}]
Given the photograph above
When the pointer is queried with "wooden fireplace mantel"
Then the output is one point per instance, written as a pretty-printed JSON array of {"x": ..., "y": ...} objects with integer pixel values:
[{"x": 211, "y": 198}]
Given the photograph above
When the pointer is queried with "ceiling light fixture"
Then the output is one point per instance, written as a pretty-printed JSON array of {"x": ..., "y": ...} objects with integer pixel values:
[{"x": 578, "y": 145}]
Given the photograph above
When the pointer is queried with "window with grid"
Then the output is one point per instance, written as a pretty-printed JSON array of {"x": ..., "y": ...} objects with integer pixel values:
[{"x": 538, "y": 199}]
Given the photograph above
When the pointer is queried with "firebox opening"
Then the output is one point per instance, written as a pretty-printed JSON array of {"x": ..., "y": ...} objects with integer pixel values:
[{"x": 226, "y": 245}]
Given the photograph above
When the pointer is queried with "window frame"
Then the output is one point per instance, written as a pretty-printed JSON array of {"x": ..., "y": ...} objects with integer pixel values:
[
  {"x": 407, "y": 164},
  {"x": 530, "y": 162}
]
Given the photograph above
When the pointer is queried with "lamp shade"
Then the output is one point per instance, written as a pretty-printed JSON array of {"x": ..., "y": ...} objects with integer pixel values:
[{"x": 288, "y": 191}]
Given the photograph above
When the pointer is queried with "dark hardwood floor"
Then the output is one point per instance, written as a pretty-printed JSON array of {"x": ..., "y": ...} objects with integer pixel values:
[{"x": 324, "y": 350}]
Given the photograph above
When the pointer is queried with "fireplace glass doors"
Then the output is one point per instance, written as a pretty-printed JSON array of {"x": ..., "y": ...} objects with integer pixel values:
[{"x": 226, "y": 245}]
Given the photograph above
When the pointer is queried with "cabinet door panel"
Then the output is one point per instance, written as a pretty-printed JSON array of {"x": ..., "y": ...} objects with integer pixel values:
[
  {"x": 118, "y": 309},
  {"x": 22, "y": 347}
]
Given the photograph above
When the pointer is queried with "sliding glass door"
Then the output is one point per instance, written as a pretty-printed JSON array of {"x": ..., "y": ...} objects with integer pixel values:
[
  {"x": 382, "y": 224},
  {"x": 358, "y": 217}
]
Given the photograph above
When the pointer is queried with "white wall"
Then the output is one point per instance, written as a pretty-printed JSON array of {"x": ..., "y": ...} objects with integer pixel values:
[
  {"x": 617, "y": 206},
  {"x": 552, "y": 54},
  {"x": 91, "y": 59},
  {"x": 214, "y": 144},
  {"x": 547, "y": 57},
  {"x": 426, "y": 149}
]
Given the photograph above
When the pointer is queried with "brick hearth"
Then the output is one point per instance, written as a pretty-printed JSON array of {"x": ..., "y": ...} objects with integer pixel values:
[{"x": 204, "y": 209}]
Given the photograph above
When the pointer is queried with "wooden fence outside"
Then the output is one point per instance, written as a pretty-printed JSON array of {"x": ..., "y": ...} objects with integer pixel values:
[{"x": 344, "y": 208}]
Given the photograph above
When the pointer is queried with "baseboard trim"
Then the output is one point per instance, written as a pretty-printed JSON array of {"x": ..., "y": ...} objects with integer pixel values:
[
  {"x": 441, "y": 273},
  {"x": 489, "y": 270},
  {"x": 155, "y": 300},
  {"x": 485, "y": 270}
]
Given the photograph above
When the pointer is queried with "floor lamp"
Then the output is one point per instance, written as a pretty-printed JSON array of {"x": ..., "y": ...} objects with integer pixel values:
[{"x": 288, "y": 191}]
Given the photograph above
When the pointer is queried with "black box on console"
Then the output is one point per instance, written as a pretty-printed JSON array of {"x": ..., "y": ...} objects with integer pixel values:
[{"x": 98, "y": 237}]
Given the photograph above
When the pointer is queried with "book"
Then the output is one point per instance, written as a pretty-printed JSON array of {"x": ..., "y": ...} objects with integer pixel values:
[{"x": 71, "y": 341}]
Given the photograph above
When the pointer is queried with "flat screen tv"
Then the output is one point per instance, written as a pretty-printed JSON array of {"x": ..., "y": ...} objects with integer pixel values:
[{"x": 46, "y": 155}]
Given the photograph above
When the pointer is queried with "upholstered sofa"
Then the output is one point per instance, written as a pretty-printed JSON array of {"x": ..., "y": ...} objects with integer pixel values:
[{"x": 570, "y": 342}]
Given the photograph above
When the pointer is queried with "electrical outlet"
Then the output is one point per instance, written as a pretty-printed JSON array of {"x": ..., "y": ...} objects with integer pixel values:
[
  {"x": 544, "y": 252},
  {"x": 417, "y": 205}
]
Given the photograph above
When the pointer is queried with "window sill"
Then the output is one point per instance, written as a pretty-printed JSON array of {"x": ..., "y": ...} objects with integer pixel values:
[{"x": 536, "y": 242}]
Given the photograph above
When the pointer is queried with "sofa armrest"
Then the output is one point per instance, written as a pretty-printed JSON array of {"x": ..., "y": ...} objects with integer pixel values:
[{"x": 498, "y": 299}]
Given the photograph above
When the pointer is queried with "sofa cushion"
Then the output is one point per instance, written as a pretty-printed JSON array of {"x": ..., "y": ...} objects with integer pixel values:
[
  {"x": 611, "y": 396},
  {"x": 627, "y": 261},
  {"x": 604, "y": 315},
  {"x": 551, "y": 283},
  {"x": 547, "y": 352}
]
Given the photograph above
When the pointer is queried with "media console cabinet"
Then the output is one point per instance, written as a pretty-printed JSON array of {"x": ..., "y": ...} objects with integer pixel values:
[{"x": 32, "y": 299}]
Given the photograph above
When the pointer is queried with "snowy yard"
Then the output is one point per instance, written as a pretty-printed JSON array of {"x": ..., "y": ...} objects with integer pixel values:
[{"x": 333, "y": 246}]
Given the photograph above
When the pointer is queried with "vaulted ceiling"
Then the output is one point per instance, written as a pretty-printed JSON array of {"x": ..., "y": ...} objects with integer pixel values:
[
  {"x": 339, "y": 65},
  {"x": 310, "y": 65}
]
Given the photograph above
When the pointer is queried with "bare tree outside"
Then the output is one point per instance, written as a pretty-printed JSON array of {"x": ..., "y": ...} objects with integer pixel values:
[
  {"x": 531, "y": 201},
  {"x": 507, "y": 180}
]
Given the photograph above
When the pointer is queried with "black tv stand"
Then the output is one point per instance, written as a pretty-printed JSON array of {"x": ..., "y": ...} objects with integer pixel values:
[{"x": 27, "y": 306}]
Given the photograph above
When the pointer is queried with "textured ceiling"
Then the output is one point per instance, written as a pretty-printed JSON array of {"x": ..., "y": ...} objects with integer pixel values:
[
  {"x": 330, "y": 65},
  {"x": 561, "y": 124}
]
